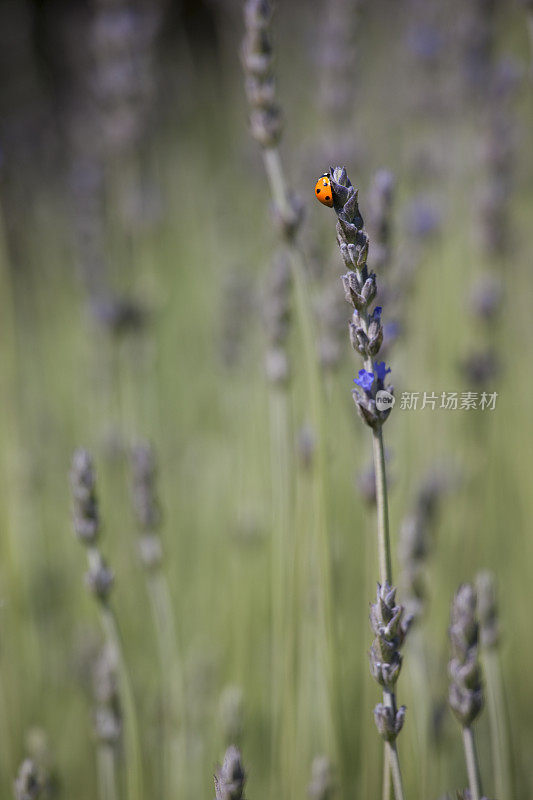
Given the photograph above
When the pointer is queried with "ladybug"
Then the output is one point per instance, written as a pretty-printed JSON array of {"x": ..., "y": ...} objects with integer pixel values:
[{"x": 323, "y": 191}]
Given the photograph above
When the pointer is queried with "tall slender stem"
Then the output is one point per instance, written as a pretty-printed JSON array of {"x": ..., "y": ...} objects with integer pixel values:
[
  {"x": 107, "y": 779},
  {"x": 394, "y": 763},
  {"x": 172, "y": 678},
  {"x": 386, "y": 785},
  {"x": 131, "y": 730},
  {"x": 281, "y": 505},
  {"x": 390, "y": 755},
  {"x": 384, "y": 554},
  {"x": 472, "y": 765},
  {"x": 498, "y": 725},
  {"x": 278, "y": 186}
]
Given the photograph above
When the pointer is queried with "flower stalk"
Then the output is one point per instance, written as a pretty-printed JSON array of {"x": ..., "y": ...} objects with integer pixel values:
[
  {"x": 466, "y": 692},
  {"x": 373, "y": 402},
  {"x": 489, "y": 630},
  {"x": 99, "y": 579},
  {"x": 148, "y": 516}
]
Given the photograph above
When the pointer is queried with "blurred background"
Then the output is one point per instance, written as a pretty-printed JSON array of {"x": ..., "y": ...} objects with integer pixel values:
[{"x": 144, "y": 299}]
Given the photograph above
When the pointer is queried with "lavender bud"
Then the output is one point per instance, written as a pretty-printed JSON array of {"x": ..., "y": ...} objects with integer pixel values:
[
  {"x": 99, "y": 578},
  {"x": 369, "y": 289},
  {"x": 366, "y": 408},
  {"x": 27, "y": 784},
  {"x": 85, "y": 507},
  {"x": 266, "y": 125},
  {"x": 145, "y": 502},
  {"x": 386, "y": 619},
  {"x": 358, "y": 338},
  {"x": 230, "y": 777},
  {"x": 351, "y": 285},
  {"x": 466, "y": 694},
  {"x": 388, "y": 722}
]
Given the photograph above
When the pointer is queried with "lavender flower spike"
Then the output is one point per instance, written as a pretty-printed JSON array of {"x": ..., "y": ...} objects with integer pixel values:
[{"x": 230, "y": 777}]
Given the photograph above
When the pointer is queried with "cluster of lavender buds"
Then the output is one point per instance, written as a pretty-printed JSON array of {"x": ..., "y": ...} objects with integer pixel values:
[
  {"x": 99, "y": 577},
  {"x": 497, "y": 158},
  {"x": 466, "y": 692},
  {"x": 390, "y": 628},
  {"x": 415, "y": 542},
  {"x": 27, "y": 785},
  {"x": 40, "y": 753},
  {"x": 122, "y": 37},
  {"x": 107, "y": 711},
  {"x": 146, "y": 505},
  {"x": 265, "y": 115},
  {"x": 230, "y": 777},
  {"x": 322, "y": 785},
  {"x": 360, "y": 288}
]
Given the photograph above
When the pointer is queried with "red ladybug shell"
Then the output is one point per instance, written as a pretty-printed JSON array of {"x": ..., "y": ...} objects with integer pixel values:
[{"x": 323, "y": 191}]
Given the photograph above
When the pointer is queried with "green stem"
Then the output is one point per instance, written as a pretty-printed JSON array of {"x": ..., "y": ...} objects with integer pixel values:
[
  {"x": 386, "y": 786},
  {"x": 394, "y": 762},
  {"x": 131, "y": 728},
  {"x": 384, "y": 553},
  {"x": 107, "y": 779},
  {"x": 280, "y": 438},
  {"x": 172, "y": 680},
  {"x": 472, "y": 765},
  {"x": 499, "y": 732},
  {"x": 276, "y": 179},
  {"x": 385, "y": 572},
  {"x": 134, "y": 779}
]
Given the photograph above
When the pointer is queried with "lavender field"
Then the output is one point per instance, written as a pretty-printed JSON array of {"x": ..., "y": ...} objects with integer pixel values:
[{"x": 265, "y": 492}]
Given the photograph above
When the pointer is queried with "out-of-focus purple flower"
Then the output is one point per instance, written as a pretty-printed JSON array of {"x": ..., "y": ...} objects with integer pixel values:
[
  {"x": 486, "y": 297},
  {"x": 381, "y": 370},
  {"x": 391, "y": 331},
  {"x": 423, "y": 218},
  {"x": 364, "y": 380},
  {"x": 425, "y": 42}
]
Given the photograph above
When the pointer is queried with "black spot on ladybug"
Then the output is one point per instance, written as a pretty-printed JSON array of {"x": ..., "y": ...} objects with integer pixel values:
[
  {"x": 328, "y": 197},
  {"x": 318, "y": 191}
]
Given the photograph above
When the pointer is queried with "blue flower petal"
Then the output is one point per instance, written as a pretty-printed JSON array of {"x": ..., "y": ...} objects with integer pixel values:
[
  {"x": 365, "y": 380},
  {"x": 381, "y": 370}
]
